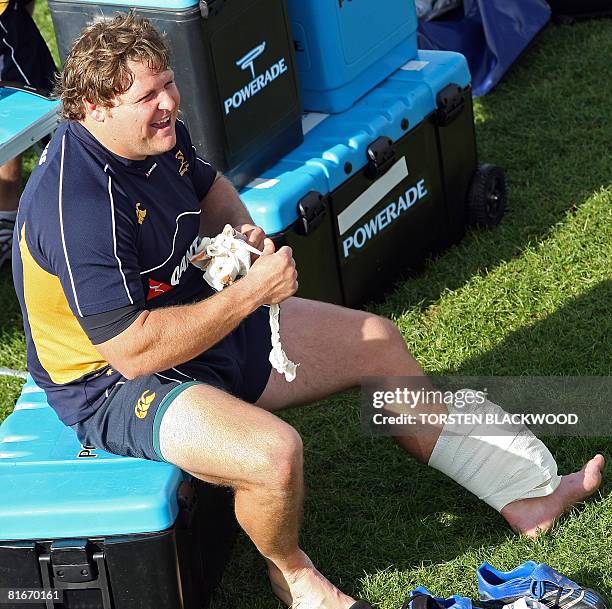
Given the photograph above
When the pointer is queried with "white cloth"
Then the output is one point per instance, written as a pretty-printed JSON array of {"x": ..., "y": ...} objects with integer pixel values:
[
  {"x": 224, "y": 259},
  {"x": 498, "y": 463}
]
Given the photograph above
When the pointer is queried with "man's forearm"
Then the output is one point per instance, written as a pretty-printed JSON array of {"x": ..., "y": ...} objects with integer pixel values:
[
  {"x": 222, "y": 205},
  {"x": 163, "y": 338}
]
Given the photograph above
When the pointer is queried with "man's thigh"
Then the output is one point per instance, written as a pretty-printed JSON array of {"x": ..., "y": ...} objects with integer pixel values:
[
  {"x": 199, "y": 427},
  {"x": 219, "y": 438},
  {"x": 335, "y": 348}
]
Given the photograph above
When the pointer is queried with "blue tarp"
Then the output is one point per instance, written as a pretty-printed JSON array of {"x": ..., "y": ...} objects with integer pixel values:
[{"x": 490, "y": 33}]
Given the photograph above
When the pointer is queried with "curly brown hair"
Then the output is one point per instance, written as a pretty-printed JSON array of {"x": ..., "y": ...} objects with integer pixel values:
[{"x": 97, "y": 69}]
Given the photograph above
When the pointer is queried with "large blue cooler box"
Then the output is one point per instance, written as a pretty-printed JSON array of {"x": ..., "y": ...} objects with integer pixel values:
[
  {"x": 26, "y": 116},
  {"x": 344, "y": 48},
  {"x": 373, "y": 191},
  {"x": 234, "y": 65},
  {"x": 102, "y": 531}
]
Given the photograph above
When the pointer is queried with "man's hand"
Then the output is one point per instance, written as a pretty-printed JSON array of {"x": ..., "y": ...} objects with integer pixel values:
[
  {"x": 273, "y": 274},
  {"x": 254, "y": 236}
]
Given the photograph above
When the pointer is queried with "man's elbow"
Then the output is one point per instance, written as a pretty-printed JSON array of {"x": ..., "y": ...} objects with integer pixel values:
[
  {"x": 136, "y": 368},
  {"x": 125, "y": 366},
  {"x": 127, "y": 352},
  {"x": 130, "y": 371},
  {"x": 129, "y": 363}
]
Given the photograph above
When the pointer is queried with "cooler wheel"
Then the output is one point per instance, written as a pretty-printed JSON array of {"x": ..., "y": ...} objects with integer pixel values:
[{"x": 486, "y": 202}]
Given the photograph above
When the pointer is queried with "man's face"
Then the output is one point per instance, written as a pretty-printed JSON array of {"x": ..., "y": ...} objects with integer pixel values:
[{"x": 142, "y": 121}]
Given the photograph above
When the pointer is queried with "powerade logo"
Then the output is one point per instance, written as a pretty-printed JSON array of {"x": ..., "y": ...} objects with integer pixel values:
[
  {"x": 384, "y": 218},
  {"x": 233, "y": 102}
]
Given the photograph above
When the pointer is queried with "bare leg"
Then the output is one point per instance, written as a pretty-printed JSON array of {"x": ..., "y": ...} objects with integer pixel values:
[
  {"x": 222, "y": 440},
  {"x": 10, "y": 184},
  {"x": 337, "y": 347}
]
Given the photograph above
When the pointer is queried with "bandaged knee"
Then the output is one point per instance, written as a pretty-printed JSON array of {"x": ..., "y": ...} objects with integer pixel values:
[{"x": 498, "y": 462}]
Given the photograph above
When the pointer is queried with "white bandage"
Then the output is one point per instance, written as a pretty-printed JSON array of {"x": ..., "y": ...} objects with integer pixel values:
[
  {"x": 223, "y": 259},
  {"x": 499, "y": 463}
]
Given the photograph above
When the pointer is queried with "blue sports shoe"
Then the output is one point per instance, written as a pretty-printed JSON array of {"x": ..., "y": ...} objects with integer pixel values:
[
  {"x": 422, "y": 598},
  {"x": 536, "y": 581}
]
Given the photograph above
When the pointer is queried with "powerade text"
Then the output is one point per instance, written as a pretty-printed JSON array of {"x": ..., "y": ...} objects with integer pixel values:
[
  {"x": 255, "y": 86},
  {"x": 384, "y": 218}
]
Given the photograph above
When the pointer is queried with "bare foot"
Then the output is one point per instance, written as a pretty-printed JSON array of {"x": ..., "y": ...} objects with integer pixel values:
[
  {"x": 531, "y": 517},
  {"x": 310, "y": 590},
  {"x": 306, "y": 588}
]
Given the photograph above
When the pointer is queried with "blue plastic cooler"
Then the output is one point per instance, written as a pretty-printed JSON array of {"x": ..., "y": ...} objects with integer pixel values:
[
  {"x": 344, "y": 48},
  {"x": 25, "y": 118},
  {"x": 106, "y": 532},
  {"x": 374, "y": 190}
]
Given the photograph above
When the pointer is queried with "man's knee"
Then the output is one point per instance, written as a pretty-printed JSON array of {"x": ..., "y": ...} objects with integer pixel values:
[
  {"x": 11, "y": 171},
  {"x": 379, "y": 331},
  {"x": 282, "y": 458}
]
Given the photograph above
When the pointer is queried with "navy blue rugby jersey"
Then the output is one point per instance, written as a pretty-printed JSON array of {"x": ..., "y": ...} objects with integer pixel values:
[{"x": 98, "y": 239}]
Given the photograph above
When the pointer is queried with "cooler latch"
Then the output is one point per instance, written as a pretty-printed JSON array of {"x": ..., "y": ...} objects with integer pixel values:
[
  {"x": 381, "y": 156},
  {"x": 311, "y": 210},
  {"x": 205, "y": 8},
  {"x": 72, "y": 561},
  {"x": 211, "y": 8},
  {"x": 450, "y": 102},
  {"x": 75, "y": 564}
]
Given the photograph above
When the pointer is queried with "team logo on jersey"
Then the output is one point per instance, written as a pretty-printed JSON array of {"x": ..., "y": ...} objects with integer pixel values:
[
  {"x": 141, "y": 214},
  {"x": 144, "y": 403},
  {"x": 184, "y": 167},
  {"x": 157, "y": 288}
]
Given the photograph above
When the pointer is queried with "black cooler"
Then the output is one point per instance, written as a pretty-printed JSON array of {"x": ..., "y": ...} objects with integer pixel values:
[
  {"x": 376, "y": 189},
  {"x": 234, "y": 66}
]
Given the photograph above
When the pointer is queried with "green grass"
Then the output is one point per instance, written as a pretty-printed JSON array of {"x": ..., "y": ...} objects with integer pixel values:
[{"x": 529, "y": 298}]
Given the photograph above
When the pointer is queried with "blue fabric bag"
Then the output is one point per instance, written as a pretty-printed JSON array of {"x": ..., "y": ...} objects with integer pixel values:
[{"x": 490, "y": 33}]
